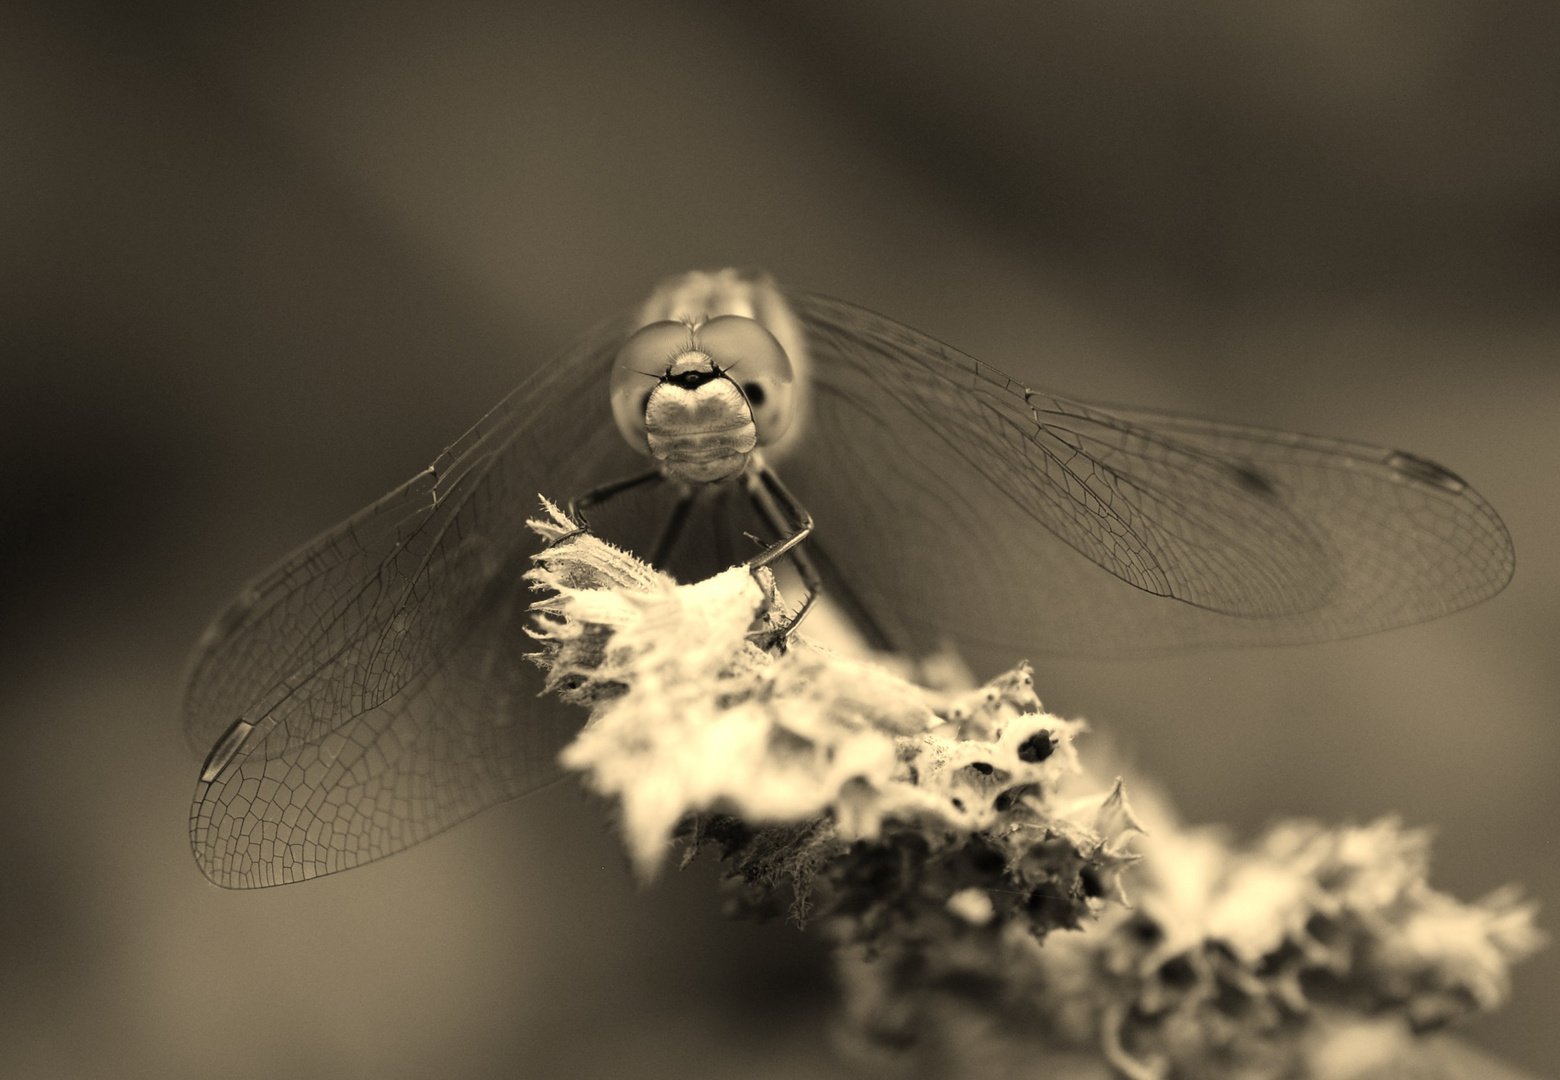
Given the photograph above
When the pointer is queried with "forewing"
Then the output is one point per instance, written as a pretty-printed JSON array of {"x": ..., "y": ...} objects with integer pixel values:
[
  {"x": 957, "y": 503},
  {"x": 372, "y": 689}
]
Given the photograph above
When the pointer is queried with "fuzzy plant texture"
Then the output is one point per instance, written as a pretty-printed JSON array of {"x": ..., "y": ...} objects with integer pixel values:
[{"x": 995, "y": 908}]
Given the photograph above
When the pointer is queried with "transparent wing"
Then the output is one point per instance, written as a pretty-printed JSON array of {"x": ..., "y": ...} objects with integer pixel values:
[
  {"x": 1005, "y": 515},
  {"x": 372, "y": 690}
]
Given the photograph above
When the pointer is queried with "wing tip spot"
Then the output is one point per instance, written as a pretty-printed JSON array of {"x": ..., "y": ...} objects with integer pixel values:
[
  {"x": 1424, "y": 471},
  {"x": 226, "y": 750}
]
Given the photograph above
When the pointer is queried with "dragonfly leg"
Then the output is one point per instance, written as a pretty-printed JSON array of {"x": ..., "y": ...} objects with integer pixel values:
[
  {"x": 874, "y": 632},
  {"x": 792, "y": 524},
  {"x": 779, "y": 508},
  {"x": 725, "y": 554},
  {"x": 598, "y": 495},
  {"x": 672, "y": 529}
]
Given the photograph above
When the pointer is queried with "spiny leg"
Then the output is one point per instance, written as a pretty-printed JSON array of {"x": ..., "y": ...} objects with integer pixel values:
[
  {"x": 815, "y": 567},
  {"x": 601, "y": 494},
  {"x": 856, "y": 609},
  {"x": 775, "y": 502},
  {"x": 720, "y": 516},
  {"x": 792, "y": 524},
  {"x": 672, "y": 529}
]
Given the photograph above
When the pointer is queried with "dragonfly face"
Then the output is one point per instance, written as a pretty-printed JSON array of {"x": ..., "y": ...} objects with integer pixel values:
[
  {"x": 699, "y": 396},
  {"x": 371, "y": 690}
]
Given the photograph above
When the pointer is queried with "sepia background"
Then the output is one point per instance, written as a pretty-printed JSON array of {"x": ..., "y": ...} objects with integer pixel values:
[{"x": 258, "y": 263}]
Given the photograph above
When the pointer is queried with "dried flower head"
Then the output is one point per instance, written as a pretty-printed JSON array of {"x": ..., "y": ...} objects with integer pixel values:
[
  {"x": 972, "y": 875},
  {"x": 798, "y": 759}
]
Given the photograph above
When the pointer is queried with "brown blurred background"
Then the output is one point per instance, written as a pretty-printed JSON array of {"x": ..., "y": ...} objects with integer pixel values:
[{"x": 258, "y": 263}]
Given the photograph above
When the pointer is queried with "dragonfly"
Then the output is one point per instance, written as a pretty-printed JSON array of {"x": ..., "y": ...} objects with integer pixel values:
[{"x": 373, "y": 689}]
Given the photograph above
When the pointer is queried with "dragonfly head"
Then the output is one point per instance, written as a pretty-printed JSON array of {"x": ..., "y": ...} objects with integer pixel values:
[{"x": 700, "y": 397}]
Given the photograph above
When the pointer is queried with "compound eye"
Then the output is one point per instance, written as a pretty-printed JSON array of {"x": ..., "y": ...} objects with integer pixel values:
[
  {"x": 644, "y": 358},
  {"x": 752, "y": 358}
]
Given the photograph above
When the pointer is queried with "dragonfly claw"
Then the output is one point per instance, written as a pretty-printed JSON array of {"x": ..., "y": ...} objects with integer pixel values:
[{"x": 555, "y": 541}]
